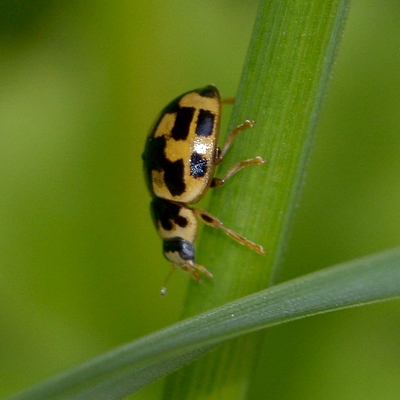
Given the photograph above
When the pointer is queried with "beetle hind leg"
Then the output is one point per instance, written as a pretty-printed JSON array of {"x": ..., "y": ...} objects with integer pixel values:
[{"x": 210, "y": 220}]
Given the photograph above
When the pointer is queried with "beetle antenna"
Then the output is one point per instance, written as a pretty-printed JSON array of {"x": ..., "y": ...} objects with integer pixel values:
[{"x": 163, "y": 290}]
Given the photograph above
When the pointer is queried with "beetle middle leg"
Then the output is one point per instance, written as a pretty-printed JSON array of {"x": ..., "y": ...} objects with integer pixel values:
[{"x": 236, "y": 168}]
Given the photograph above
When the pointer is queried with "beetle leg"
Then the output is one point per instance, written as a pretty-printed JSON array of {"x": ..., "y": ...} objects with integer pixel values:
[
  {"x": 229, "y": 100},
  {"x": 220, "y": 155},
  {"x": 236, "y": 168},
  {"x": 210, "y": 220},
  {"x": 194, "y": 270}
]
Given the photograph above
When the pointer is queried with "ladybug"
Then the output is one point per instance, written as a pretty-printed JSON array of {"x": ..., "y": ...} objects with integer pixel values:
[{"x": 179, "y": 160}]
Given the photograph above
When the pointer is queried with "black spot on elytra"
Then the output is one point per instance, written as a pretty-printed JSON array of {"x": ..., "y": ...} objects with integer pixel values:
[
  {"x": 205, "y": 123},
  {"x": 154, "y": 159},
  {"x": 167, "y": 213},
  {"x": 184, "y": 117},
  {"x": 198, "y": 165},
  {"x": 153, "y": 156},
  {"x": 174, "y": 176}
]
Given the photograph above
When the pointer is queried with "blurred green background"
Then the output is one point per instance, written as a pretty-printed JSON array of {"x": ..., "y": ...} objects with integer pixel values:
[{"x": 80, "y": 263}]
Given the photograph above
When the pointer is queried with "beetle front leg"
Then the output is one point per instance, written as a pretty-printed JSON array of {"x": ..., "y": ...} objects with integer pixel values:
[{"x": 232, "y": 135}]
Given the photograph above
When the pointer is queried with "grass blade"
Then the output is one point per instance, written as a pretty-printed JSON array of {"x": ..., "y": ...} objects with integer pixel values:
[
  {"x": 135, "y": 365},
  {"x": 284, "y": 81}
]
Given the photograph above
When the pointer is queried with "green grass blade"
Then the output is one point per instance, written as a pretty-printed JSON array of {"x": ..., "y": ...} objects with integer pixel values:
[
  {"x": 135, "y": 365},
  {"x": 284, "y": 81},
  {"x": 285, "y": 78}
]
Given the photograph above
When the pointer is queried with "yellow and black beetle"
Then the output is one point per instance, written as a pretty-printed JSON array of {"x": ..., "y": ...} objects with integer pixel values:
[{"x": 179, "y": 160}]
